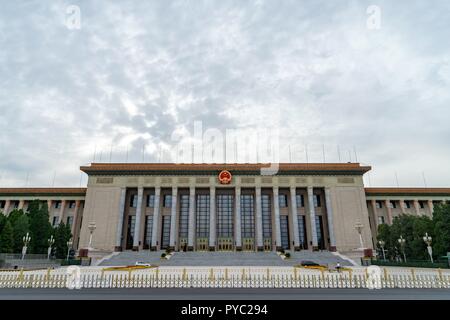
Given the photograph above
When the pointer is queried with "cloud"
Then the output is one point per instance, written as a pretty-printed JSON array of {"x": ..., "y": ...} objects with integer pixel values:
[{"x": 138, "y": 71}]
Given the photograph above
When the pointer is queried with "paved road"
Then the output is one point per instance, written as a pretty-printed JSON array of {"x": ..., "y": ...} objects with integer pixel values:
[{"x": 225, "y": 294}]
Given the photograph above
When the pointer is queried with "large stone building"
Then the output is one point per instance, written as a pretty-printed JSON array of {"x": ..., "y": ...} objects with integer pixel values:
[{"x": 225, "y": 206}]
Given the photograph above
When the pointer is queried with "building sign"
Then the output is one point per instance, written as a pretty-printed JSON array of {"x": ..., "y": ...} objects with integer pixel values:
[{"x": 225, "y": 177}]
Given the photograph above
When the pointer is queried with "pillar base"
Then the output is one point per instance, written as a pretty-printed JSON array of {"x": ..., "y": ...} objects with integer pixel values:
[
  {"x": 212, "y": 248},
  {"x": 117, "y": 249},
  {"x": 238, "y": 248},
  {"x": 135, "y": 248},
  {"x": 333, "y": 248},
  {"x": 260, "y": 249},
  {"x": 154, "y": 248},
  {"x": 297, "y": 248},
  {"x": 315, "y": 248},
  {"x": 190, "y": 248}
]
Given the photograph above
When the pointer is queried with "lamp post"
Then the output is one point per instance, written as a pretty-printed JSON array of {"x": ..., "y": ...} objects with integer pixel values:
[
  {"x": 51, "y": 241},
  {"x": 382, "y": 243},
  {"x": 91, "y": 228},
  {"x": 359, "y": 226},
  {"x": 402, "y": 242},
  {"x": 69, "y": 246},
  {"x": 427, "y": 239},
  {"x": 26, "y": 240}
]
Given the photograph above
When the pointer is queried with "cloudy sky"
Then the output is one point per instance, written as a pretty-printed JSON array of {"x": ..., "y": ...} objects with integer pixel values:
[{"x": 122, "y": 81}]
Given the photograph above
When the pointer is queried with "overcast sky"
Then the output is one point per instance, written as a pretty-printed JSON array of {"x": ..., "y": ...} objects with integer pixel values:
[{"x": 136, "y": 72}]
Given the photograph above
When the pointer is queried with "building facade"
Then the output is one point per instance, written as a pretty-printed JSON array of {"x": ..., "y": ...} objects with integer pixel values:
[{"x": 225, "y": 207}]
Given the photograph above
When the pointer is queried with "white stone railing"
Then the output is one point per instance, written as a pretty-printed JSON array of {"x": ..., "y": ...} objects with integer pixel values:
[{"x": 221, "y": 278}]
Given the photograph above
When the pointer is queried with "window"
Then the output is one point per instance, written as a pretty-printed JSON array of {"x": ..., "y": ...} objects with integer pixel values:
[
  {"x": 150, "y": 200},
  {"x": 165, "y": 237},
  {"x": 71, "y": 204},
  {"x": 225, "y": 216},
  {"x": 422, "y": 205},
  {"x": 55, "y": 221},
  {"x": 319, "y": 231},
  {"x": 148, "y": 231},
  {"x": 16, "y": 204},
  {"x": 57, "y": 204},
  {"x": 167, "y": 201},
  {"x": 202, "y": 222},
  {"x": 378, "y": 205},
  {"x": 284, "y": 229},
  {"x": 380, "y": 220},
  {"x": 69, "y": 221},
  {"x": 406, "y": 204},
  {"x": 247, "y": 216},
  {"x": 2, "y": 204},
  {"x": 392, "y": 205},
  {"x": 184, "y": 216},
  {"x": 133, "y": 201},
  {"x": 282, "y": 200},
  {"x": 300, "y": 200},
  {"x": 317, "y": 200},
  {"x": 302, "y": 232},
  {"x": 266, "y": 216}
]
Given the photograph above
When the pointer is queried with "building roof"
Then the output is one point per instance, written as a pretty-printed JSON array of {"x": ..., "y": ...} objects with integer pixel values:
[
  {"x": 392, "y": 191},
  {"x": 42, "y": 191},
  {"x": 213, "y": 169}
]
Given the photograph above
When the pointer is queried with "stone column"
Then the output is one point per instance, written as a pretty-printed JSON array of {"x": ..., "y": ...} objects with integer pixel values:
[
  {"x": 137, "y": 224},
  {"x": 49, "y": 206},
  {"x": 237, "y": 219},
  {"x": 294, "y": 213},
  {"x": 73, "y": 227},
  {"x": 258, "y": 220},
  {"x": 212, "y": 218},
  {"x": 276, "y": 209},
  {"x": 330, "y": 219},
  {"x": 119, "y": 230},
  {"x": 417, "y": 207},
  {"x": 173, "y": 218},
  {"x": 61, "y": 211},
  {"x": 402, "y": 205},
  {"x": 6, "y": 208},
  {"x": 387, "y": 203},
  {"x": 21, "y": 204},
  {"x": 430, "y": 207},
  {"x": 156, "y": 214},
  {"x": 191, "y": 228},
  {"x": 312, "y": 218},
  {"x": 373, "y": 204}
]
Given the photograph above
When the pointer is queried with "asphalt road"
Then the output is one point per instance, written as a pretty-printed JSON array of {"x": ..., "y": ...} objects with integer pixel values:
[{"x": 224, "y": 294}]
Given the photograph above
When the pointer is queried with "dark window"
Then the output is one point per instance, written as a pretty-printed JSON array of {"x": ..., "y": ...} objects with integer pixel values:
[
  {"x": 2, "y": 204},
  {"x": 284, "y": 228},
  {"x": 300, "y": 200},
  {"x": 57, "y": 204},
  {"x": 379, "y": 205},
  {"x": 130, "y": 231},
  {"x": 150, "y": 200},
  {"x": 247, "y": 216},
  {"x": 407, "y": 204},
  {"x": 69, "y": 221},
  {"x": 282, "y": 200},
  {"x": 71, "y": 204},
  {"x": 55, "y": 221},
  {"x": 302, "y": 232},
  {"x": 184, "y": 216},
  {"x": 319, "y": 231},
  {"x": 165, "y": 237},
  {"x": 266, "y": 216},
  {"x": 317, "y": 200},
  {"x": 202, "y": 221},
  {"x": 380, "y": 220},
  {"x": 133, "y": 200},
  {"x": 148, "y": 231},
  {"x": 225, "y": 215},
  {"x": 167, "y": 201},
  {"x": 421, "y": 204}
]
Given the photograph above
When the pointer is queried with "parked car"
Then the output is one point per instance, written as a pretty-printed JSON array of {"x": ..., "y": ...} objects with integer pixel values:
[
  {"x": 142, "y": 264},
  {"x": 312, "y": 265}
]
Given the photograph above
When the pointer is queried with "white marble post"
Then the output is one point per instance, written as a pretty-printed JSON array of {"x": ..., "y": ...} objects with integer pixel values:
[
  {"x": 417, "y": 207},
  {"x": 330, "y": 219},
  {"x": 6, "y": 208},
  {"x": 387, "y": 203},
  {"x": 75, "y": 218},
  {"x": 259, "y": 224},
  {"x": 21, "y": 204},
  {"x": 402, "y": 205},
  {"x": 137, "y": 224},
  {"x": 156, "y": 214},
  {"x": 276, "y": 207},
  {"x": 173, "y": 218},
  {"x": 119, "y": 229},
  {"x": 212, "y": 218},
  {"x": 191, "y": 228},
  {"x": 293, "y": 193},
  {"x": 430, "y": 207},
  {"x": 312, "y": 217},
  {"x": 237, "y": 219}
]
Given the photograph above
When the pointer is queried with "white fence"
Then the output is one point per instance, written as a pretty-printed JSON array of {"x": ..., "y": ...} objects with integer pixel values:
[{"x": 154, "y": 278}]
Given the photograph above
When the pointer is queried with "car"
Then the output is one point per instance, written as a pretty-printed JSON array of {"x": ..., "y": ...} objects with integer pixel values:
[
  {"x": 308, "y": 263},
  {"x": 142, "y": 264}
]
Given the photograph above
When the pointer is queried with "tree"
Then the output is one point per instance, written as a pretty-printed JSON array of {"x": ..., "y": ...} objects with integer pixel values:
[
  {"x": 20, "y": 229},
  {"x": 441, "y": 219},
  {"x": 7, "y": 239},
  {"x": 40, "y": 228},
  {"x": 62, "y": 234}
]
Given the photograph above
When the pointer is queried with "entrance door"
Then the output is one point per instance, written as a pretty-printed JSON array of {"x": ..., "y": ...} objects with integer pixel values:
[
  {"x": 284, "y": 228},
  {"x": 130, "y": 232},
  {"x": 248, "y": 244},
  {"x": 165, "y": 235},
  {"x": 319, "y": 229},
  {"x": 225, "y": 244}
]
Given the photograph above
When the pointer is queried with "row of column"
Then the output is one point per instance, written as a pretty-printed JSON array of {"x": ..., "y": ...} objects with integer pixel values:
[{"x": 212, "y": 220}]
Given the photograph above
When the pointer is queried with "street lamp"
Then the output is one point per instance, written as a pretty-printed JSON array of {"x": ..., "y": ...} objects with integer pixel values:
[
  {"x": 91, "y": 228},
  {"x": 402, "y": 241},
  {"x": 69, "y": 245},
  {"x": 359, "y": 226},
  {"x": 51, "y": 241},
  {"x": 427, "y": 239},
  {"x": 382, "y": 243},
  {"x": 26, "y": 240}
]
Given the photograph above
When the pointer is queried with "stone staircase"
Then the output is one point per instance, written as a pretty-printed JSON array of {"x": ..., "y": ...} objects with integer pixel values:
[{"x": 223, "y": 258}]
